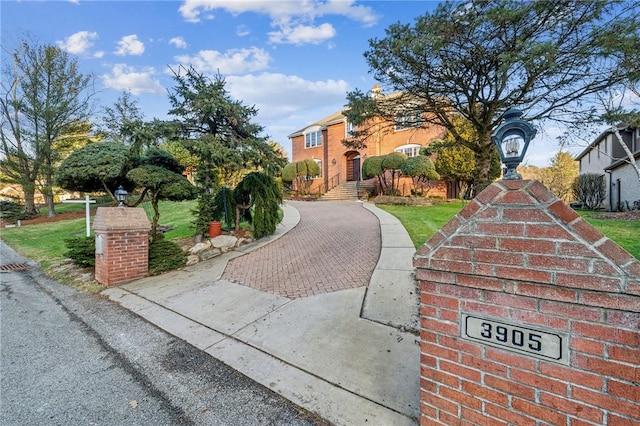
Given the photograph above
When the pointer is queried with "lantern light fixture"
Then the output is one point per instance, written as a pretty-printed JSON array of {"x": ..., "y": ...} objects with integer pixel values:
[
  {"x": 512, "y": 139},
  {"x": 121, "y": 195}
]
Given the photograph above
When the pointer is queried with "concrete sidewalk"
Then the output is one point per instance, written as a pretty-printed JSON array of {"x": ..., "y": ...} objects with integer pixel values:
[{"x": 345, "y": 355}]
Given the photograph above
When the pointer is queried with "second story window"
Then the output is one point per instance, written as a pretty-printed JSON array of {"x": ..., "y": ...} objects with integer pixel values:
[
  {"x": 408, "y": 120},
  {"x": 350, "y": 129},
  {"x": 313, "y": 138}
]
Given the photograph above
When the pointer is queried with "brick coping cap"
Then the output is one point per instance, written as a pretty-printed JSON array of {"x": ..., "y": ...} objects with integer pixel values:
[{"x": 121, "y": 219}]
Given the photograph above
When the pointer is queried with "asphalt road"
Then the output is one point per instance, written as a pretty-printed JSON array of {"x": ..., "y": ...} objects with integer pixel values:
[{"x": 70, "y": 358}]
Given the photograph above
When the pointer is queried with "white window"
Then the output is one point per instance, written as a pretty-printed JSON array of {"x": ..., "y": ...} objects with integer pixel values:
[
  {"x": 313, "y": 137},
  {"x": 412, "y": 150},
  {"x": 349, "y": 129},
  {"x": 408, "y": 120}
]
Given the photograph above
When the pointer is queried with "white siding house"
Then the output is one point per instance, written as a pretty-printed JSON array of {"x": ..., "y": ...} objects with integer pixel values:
[{"x": 606, "y": 157}]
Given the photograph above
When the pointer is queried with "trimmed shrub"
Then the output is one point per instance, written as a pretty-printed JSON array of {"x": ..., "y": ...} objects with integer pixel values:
[
  {"x": 590, "y": 190},
  {"x": 10, "y": 211},
  {"x": 164, "y": 256},
  {"x": 82, "y": 251}
]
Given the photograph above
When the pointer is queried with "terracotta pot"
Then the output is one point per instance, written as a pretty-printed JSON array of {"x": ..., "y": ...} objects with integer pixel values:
[{"x": 215, "y": 229}]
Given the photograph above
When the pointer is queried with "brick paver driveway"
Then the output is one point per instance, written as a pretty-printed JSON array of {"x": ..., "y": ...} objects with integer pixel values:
[{"x": 335, "y": 246}]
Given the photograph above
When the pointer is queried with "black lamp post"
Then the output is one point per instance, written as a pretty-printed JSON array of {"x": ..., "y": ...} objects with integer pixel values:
[
  {"x": 121, "y": 195},
  {"x": 512, "y": 139}
]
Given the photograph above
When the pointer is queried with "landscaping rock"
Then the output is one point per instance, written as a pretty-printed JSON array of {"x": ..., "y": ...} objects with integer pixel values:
[
  {"x": 224, "y": 242},
  {"x": 200, "y": 247},
  {"x": 210, "y": 253},
  {"x": 243, "y": 241},
  {"x": 192, "y": 259}
]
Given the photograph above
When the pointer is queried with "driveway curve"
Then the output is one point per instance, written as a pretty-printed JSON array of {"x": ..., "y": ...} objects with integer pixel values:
[{"x": 335, "y": 246}]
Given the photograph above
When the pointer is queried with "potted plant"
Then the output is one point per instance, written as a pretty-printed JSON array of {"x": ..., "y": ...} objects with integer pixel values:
[{"x": 222, "y": 211}]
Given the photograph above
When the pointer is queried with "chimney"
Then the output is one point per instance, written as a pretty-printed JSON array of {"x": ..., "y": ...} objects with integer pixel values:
[{"x": 376, "y": 91}]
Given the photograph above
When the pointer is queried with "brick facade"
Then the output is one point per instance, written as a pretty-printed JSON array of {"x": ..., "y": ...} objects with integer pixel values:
[
  {"x": 335, "y": 157},
  {"x": 122, "y": 244},
  {"x": 518, "y": 255}
]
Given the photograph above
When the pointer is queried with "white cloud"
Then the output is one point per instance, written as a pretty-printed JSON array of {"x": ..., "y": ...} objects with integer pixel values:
[
  {"x": 178, "y": 42},
  {"x": 287, "y": 103},
  {"x": 130, "y": 45},
  {"x": 234, "y": 61},
  {"x": 294, "y": 19},
  {"x": 191, "y": 9},
  {"x": 277, "y": 93},
  {"x": 124, "y": 77},
  {"x": 242, "y": 31},
  {"x": 302, "y": 34},
  {"x": 78, "y": 43}
]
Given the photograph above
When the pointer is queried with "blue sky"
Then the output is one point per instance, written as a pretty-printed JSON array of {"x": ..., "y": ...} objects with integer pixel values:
[{"x": 293, "y": 60}]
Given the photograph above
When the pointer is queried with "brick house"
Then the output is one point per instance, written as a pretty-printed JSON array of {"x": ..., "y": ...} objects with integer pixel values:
[
  {"x": 339, "y": 165},
  {"x": 605, "y": 156}
]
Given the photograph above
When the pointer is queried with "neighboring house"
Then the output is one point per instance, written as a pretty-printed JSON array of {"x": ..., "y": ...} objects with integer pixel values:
[
  {"x": 605, "y": 156},
  {"x": 322, "y": 142},
  {"x": 13, "y": 192}
]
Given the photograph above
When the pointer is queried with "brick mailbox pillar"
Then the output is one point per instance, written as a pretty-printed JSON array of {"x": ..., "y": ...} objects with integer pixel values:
[
  {"x": 528, "y": 316},
  {"x": 122, "y": 244}
]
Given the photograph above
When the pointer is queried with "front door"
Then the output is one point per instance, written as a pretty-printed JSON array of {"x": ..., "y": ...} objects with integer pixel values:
[{"x": 353, "y": 168}]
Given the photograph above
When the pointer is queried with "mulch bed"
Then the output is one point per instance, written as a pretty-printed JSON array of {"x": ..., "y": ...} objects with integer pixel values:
[
  {"x": 43, "y": 218},
  {"x": 632, "y": 215}
]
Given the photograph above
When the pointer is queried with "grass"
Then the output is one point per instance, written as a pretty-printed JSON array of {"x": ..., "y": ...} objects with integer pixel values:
[
  {"x": 45, "y": 243},
  {"x": 421, "y": 222},
  {"x": 626, "y": 233}
]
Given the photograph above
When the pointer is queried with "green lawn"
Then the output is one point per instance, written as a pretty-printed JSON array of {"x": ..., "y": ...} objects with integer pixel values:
[
  {"x": 421, "y": 222},
  {"x": 45, "y": 243}
]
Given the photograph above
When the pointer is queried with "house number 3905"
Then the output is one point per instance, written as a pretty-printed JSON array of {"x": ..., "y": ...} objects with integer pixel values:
[
  {"x": 514, "y": 336},
  {"x": 549, "y": 345}
]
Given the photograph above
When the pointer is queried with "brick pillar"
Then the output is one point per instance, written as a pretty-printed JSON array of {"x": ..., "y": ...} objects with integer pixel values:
[
  {"x": 122, "y": 244},
  {"x": 528, "y": 315}
]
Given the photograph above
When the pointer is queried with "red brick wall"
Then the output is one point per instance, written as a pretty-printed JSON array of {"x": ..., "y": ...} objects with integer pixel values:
[
  {"x": 123, "y": 253},
  {"x": 518, "y": 255},
  {"x": 387, "y": 142}
]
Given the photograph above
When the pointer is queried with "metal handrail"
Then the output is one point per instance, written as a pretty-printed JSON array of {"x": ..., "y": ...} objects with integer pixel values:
[{"x": 334, "y": 181}]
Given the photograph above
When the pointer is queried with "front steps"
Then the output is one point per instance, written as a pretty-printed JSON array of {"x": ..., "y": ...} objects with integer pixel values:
[{"x": 352, "y": 190}]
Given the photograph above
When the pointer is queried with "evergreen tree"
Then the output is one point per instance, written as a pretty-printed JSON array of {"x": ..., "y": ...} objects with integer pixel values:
[{"x": 44, "y": 96}]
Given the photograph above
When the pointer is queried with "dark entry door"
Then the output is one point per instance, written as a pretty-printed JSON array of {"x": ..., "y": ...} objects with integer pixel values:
[{"x": 353, "y": 169}]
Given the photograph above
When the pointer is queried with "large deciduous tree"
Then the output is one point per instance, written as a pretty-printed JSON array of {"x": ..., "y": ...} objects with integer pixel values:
[
  {"x": 560, "y": 174},
  {"x": 480, "y": 58},
  {"x": 44, "y": 96}
]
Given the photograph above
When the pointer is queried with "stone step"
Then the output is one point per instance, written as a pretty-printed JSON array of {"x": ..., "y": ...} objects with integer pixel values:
[{"x": 347, "y": 191}]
